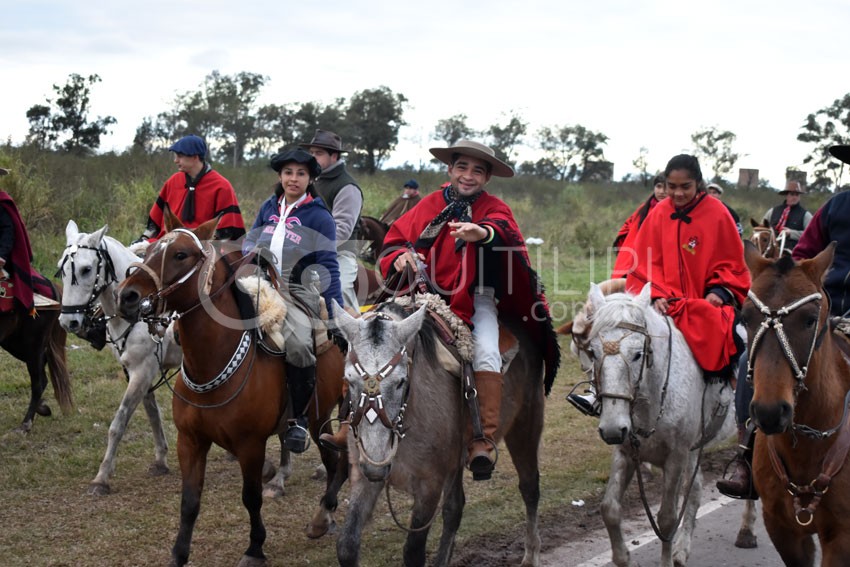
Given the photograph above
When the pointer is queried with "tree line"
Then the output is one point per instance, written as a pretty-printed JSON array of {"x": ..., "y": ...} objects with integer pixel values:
[{"x": 225, "y": 111}]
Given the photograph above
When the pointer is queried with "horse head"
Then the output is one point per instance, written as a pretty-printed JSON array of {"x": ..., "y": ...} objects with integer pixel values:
[
  {"x": 156, "y": 285},
  {"x": 378, "y": 374},
  {"x": 764, "y": 239},
  {"x": 87, "y": 270},
  {"x": 786, "y": 317},
  {"x": 619, "y": 349}
]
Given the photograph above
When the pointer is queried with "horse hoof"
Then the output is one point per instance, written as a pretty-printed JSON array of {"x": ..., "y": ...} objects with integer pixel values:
[
  {"x": 248, "y": 561},
  {"x": 43, "y": 409},
  {"x": 99, "y": 489},
  {"x": 23, "y": 428},
  {"x": 273, "y": 492},
  {"x": 746, "y": 540},
  {"x": 320, "y": 473},
  {"x": 269, "y": 471},
  {"x": 158, "y": 469},
  {"x": 314, "y": 531}
]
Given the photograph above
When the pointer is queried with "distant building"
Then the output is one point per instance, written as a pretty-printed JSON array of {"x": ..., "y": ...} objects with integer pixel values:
[
  {"x": 748, "y": 178},
  {"x": 792, "y": 174},
  {"x": 598, "y": 172}
]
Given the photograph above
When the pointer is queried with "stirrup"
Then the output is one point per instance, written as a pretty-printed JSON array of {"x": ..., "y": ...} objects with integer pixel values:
[
  {"x": 297, "y": 438},
  {"x": 587, "y": 404},
  {"x": 751, "y": 494}
]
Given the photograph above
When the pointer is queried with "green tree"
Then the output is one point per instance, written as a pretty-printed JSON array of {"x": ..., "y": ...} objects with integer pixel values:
[
  {"x": 505, "y": 138},
  {"x": 714, "y": 149},
  {"x": 641, "y": 163},
  {"x": 68, "y": 117},
  {"x": 827, "y": 127},
  {"x": 375, "y": 117},
  {"x": 452, "y": 129},
  {"x": 312, "y": 116},
  {"x": 569, "y": 148}
]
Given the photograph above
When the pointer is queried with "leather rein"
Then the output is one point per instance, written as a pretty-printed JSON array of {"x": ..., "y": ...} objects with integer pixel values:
[{"x": 836, "y": 455}]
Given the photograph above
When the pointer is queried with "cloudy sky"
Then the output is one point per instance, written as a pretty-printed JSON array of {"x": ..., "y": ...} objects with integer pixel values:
[{"x": 645, "y": 73}]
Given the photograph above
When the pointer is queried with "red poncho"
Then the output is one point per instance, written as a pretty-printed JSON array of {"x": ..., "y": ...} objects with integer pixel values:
[
  {"x": 453, "y": 272},
  {"x": 627, "y": 236},
  {"x": 214, "y": 195},
  {"x": 684, "y": 261}
]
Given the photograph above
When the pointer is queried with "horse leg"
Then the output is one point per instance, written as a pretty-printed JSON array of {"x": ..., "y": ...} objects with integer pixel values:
[
  {"x": 137, "y": 386},
  {"x": 682, "y": 543},
  {"x": 523, "y": 442},
  {"x": 38, "y": 383},
  {"x": 426, "y": 499},
  {"x": 622, "y": 469},
  {"x": 159, "y": 466},
  {"x": 746, "y": 536},
  {"x": 794, "y": 546},
  {"x": 192, "y": 454},
  {"x": 274, "y": 478},
  {"x": 363, "y": 496},
  {"x": 675, "y": 474},
  {"x": 835, "y": 547},
  {"x": 453, "y": 502},
  {"x": 337, "y": 474},
  {"x": 252, "y": 456}
]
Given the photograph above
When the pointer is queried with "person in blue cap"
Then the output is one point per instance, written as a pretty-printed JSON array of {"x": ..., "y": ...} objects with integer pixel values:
[
  {"x": 196, "y": 194},
  {"x": 406, "y": 201}
]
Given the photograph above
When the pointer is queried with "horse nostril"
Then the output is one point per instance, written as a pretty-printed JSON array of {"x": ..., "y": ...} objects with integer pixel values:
[
  {"x": 130, "y": 297},
  {"x": 73, "y": 326}
]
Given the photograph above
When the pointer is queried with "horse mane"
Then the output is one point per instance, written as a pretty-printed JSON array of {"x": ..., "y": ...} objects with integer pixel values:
[
  {"x": 378, "y": 328},
  {"x": 618, "y": 308}
]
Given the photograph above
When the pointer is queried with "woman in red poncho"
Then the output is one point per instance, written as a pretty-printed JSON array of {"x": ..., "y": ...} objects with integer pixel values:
[
  {"x": 626, "y": 237},
  {"x": 690, "y": 251}
]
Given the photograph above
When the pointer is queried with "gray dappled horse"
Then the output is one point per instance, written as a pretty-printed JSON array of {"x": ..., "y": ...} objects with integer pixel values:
[
  {"x": 656, "y": 408},
  {"x": 408, "y": 393}
]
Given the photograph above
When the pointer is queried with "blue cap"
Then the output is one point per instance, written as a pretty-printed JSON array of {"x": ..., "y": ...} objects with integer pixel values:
[
  {"x": 190, "y": 146},
  {"x": 412, "y": 184}
]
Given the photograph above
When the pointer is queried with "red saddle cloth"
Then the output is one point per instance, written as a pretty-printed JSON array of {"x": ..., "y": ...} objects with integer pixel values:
[{"x": 15, "y": 288}]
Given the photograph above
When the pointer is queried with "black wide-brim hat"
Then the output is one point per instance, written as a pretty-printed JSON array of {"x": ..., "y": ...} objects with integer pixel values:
[{"x": 841, "y": 152}]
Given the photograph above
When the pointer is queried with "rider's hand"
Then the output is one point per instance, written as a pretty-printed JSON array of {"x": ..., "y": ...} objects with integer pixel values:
[
  {"x": 407, "y": 258},
  {"x": 661, "y": 305},
  {"x": 468, "y": 231},
  {"x": 714, "y": 299}
]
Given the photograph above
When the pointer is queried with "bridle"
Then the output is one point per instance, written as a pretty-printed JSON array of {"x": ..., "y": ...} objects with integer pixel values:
[
  {"x": 371, "y": 402},
  {"x": 104, "y": 277},
  {"x": 768, "y": 250}
]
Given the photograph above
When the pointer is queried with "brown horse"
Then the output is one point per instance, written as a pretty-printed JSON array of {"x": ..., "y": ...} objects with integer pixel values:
[
  {"x": 38, "y": 341},
  {"x": 372, "y": 232},
  {"x": 764, "y": 239},
  {"x": 232, "y": 392},
  {"x": 801, "y": 385}
]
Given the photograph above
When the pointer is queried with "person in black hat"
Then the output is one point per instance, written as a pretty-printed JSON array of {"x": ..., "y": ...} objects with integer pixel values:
[
  {"x": 296, "y": 229},
  {"x": 344, "y": 198},
  {"x": 790, "y": 218},
  {"x": 829, "y": 224},
  {"x": 196, "y": 194},
  {"x": 406, "y": 201}
]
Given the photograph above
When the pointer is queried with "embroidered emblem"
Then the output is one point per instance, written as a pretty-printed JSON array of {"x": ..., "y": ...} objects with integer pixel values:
[{"x": 691, "y": 244}]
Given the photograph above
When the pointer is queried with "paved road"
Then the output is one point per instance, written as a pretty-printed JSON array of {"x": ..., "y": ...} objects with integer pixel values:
[{"x": 713, "y": 545}]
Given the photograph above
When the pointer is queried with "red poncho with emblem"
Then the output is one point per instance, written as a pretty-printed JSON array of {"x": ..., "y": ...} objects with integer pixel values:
[{"x": 684, "y": 258}]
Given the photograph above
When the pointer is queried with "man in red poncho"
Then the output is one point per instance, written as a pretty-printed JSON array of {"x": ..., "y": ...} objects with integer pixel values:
[
  {"x": 689, "y": 249},
  {"x": 457, "y": 231}
]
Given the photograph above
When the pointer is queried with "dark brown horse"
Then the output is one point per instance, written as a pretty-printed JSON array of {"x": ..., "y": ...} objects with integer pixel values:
[
  {"x": 38, "y": 341},
  {"x": 231, "y": 392},
  {"x": 372, "y": 232},
  {"x": 801, "y": 385}
]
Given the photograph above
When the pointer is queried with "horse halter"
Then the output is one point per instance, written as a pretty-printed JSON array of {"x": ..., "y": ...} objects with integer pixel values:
[
  {"x": 151, "y": 307},
  {"x": 773, "y": 318},
  {"x": 771, "y": 245},
  {"x": 611, "y": 348},
  {"x": 104, "y": 276}
]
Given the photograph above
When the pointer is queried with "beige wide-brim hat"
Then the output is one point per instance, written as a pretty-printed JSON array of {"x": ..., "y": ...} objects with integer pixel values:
[
  {"x": 792, "y": 186},
  {"x": 476, "y": 150}
]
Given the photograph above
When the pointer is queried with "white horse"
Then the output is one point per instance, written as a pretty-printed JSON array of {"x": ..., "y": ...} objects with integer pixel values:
[
  {"x": 656, "y": 408},
  {"x": 91, "y": 266}
]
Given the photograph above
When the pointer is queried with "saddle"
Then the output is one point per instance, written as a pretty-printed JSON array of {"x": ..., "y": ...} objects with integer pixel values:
[{"x": 7, "y": 299}]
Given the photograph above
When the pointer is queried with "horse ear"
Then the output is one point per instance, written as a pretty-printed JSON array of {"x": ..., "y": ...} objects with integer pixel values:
[
  {"x": 409, "y": 326},
  {"x": 755, "y": 261},
  {"x": 348, "y": 325},
  {"x": 754, "y": 223},
  {"x": 97, "y": 237},
  {"x": 595, "y": 296},
  {"x": 71, "y": 232},
  {"x": 205, "y": 231},
  {"x": 169, "y": 219},
  {"x": 565, "y": 329},
  {"x": 644, "y": 298},
  {"x": 817, "y": 267}
]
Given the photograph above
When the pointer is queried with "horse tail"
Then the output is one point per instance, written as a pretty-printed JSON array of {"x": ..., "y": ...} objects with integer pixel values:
[{"x": 57, "y": 364}]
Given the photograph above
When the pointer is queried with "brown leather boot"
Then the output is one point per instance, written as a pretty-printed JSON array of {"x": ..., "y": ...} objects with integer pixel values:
[
  {"x": 482, "y": 452},
  {"x": 740, "y": 484}
]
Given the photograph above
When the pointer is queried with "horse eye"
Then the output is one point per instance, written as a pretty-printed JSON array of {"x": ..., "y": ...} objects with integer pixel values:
[
  {"x": 637, "y": 356},
  {"x": 85, "y": 271},
  {"x": 811, "y": 321},
  {"x": 401, "y": 384},
  {"x": 181, "y": 256}
]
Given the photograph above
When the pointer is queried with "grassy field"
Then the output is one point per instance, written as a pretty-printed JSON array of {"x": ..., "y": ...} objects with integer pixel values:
[{"x": 49, "y": 520}]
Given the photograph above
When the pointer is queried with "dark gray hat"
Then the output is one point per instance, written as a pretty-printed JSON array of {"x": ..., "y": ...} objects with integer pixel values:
[{"x": 325, "y": 139}]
